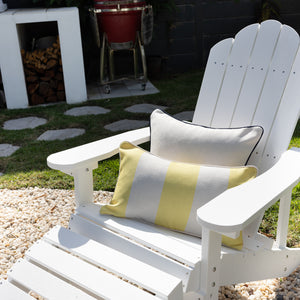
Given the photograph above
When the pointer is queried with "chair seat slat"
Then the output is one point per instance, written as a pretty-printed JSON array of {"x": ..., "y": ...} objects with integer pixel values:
[
  {"x": 129, "y": 247},
  {"x": 9, "y": 291},
  {"x": 83, "y": 274},
  {"x": 148, "y": 235},
  {"x": 114, "y": 261},
  {"x": 42, "y": 282}
]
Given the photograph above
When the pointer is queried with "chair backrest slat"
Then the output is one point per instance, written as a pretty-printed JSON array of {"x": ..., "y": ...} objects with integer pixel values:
[
  {"x": 212, "y": 81},
  {"x": 256, "y": 73},
  {"x": 254, "y": 85},
  {"x": 234, "y": 76},
  {"x": 285, "y": 120}
]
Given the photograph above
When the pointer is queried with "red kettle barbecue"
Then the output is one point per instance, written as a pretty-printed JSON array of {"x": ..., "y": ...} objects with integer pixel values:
[
  {"x": 120, "y": 20},
  {"x": 120, "y": 24}
]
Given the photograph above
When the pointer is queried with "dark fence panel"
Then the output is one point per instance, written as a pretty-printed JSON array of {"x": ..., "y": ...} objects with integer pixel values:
[{"x": 183, "y": 38}]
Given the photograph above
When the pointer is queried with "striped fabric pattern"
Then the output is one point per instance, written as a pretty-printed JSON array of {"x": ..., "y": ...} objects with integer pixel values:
[{"x": 168, "y": 193}]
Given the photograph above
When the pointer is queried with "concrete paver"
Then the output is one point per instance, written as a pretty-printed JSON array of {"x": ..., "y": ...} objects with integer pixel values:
[
  {"x": 144, "y": 108},
  {"x": 60, "y": 134},
  {"x": 125, "y": 124},
  {"x": 86, "y": 110},
  {"x": 24, "y": 123},
  {"x": 7, "y": 150}
]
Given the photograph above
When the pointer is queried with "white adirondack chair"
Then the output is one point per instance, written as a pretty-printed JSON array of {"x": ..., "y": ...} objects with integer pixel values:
[{"x": 252, "y": 79}]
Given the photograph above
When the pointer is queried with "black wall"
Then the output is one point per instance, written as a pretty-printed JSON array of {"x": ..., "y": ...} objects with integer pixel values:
[{"x": 183, "y": 37}]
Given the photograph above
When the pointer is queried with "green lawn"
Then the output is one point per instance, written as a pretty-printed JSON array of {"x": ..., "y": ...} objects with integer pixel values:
[{"x": 27, "y": 167}]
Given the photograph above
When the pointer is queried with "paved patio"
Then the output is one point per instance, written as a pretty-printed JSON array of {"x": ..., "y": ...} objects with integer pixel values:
[{"x": 122, "y": 88}]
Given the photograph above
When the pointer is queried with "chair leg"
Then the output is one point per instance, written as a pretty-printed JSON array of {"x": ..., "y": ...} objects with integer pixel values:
[
  {"x": 210, "y": 264},
  {"x": 283, "y": 219},
  {"x": 83, "y": 182}
]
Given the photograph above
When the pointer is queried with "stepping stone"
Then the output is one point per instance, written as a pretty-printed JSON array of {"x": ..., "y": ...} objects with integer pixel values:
[
  {"x": 86, "y": 110},
  {"x": 60, "y": 134},
  {"x": 7, "y": 149},
  {"x": 123, "y": 125},
  {"x": 144, "y": 108},
  {"x": 24, "y": 123},
  {"x": 184, "y": 115}
]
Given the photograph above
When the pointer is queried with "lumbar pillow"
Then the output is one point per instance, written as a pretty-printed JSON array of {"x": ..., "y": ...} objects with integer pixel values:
[
  {"x": 186, "y": 142},
  {"x": 168, "y": 193}
]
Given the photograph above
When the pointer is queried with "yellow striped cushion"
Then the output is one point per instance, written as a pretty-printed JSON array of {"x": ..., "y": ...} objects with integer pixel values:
[{"x": 169, "y": 193}]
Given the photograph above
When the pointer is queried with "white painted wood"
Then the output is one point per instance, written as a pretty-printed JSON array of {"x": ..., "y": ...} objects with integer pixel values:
[
  {"x": 11, "y": 63},
  {"x": 191, "y": 241},
  {"x": 268, "y": 243},
  {"x": 285, "y": 120},
  {"x": 263, "y": 264},
  {"x": 83, "y": 182},
  {"x": 129, "y": 247},
  {"x": 238, "y": 207},
  {"x": 9, "y": 291},
  {"x": 246, "y": 82},
  {"x": 251, "y": 243},
  {"x": 165, "y": 238},
  {"x": 212, "y": 82},
  {"x": 234, "y": 77},
  {"x": 232, "y": 99},
  {"x": 21, "y": 16},
  {"x": 210, "y": 264},
  {"x": 83, "y": 274},
  {"x": 42, "y": 282},
  {"x": 260, "y": 90},
  {"x": 149, "y": 235},
  {"x": 283, "y": 219},
  {"x": 91, "y": 212},
  {"x": 252, "y": 229},
  {"x": 140, "y": 273},
  {"x": 257, "y": 71},
  {"x": 71, "y": 50},
  {"x": 89, "y": 154},
  {"x": 275, "y": 83}
]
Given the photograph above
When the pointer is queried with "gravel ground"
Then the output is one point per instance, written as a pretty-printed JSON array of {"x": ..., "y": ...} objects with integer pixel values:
[{"x": 27, "y": 214}]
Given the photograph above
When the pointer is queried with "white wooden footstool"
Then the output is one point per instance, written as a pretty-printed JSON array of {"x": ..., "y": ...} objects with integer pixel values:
[{"x": 66, "y": 265}]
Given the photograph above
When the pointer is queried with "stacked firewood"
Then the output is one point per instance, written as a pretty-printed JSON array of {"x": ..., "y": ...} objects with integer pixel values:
[{"x": 44, "y": 75}]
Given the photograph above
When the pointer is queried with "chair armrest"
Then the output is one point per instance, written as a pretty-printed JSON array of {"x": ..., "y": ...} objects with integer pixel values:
[
  {"x": 90, "y": 154},
  {"x": 236, "y": 208}
]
